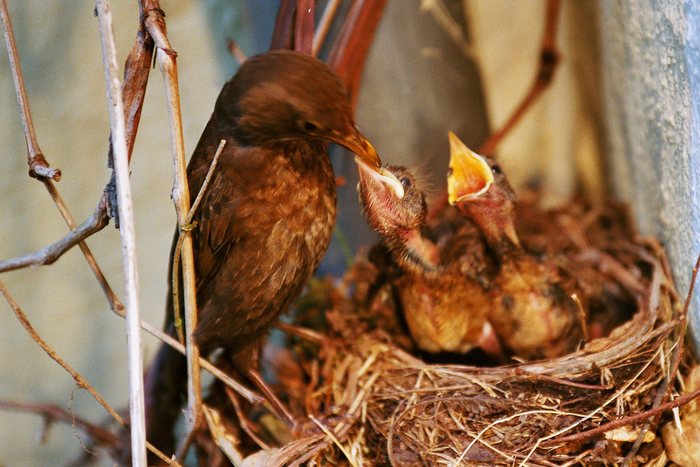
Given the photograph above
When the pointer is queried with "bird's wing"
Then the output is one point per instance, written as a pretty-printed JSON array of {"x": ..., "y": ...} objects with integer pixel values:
[{"x": 226, "y": 214}]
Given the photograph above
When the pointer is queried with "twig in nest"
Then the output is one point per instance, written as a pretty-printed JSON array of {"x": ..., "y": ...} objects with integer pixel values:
[
  {"x": 628, "y": 420},
  {"x": 588, "y": 416},
  {"x": 675, "y": 362},
  {"x": 79, "y": 380},
  {"x": 303, "y": 333}
]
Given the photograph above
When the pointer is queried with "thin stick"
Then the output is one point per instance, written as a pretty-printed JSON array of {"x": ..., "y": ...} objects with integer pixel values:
[
  {"x": 37, "y": 162},
  {"x": 629, "y": 420},
  {"x": 282, "y": 34},
  {"x": 165, "y": 57},
  {"x": 128, "y": 237},
  {"x": 324, "y": 25},
  {"x": 77, "y": 377},
  {"x": 55, "y": 413},
  {"x": 350, "y": 50},
  {"x": 175, "y": 279},
  {"x": 249, "y": 395},
  {"x": 205, "y": 184},
  {"x": 675, "y": 363},
  {"x": 549, "y": 57},
  {"x": 38, "y": 167},
  {"x": 49, "y": 254},
  {"x": 304, "y": 26}
]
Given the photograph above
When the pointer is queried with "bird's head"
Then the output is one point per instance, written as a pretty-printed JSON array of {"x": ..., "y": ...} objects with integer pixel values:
[
  {"x": 398, "y": 215},
  {"x": 480, "y": 190},
  {"x": 387, "y": 210},
  {"x": 281, "y": 96}
]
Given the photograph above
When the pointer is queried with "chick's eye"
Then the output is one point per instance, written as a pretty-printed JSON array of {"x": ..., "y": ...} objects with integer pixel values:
[
  {"x": 405, "y": 182},
  {"x": 496, "y": 169}
]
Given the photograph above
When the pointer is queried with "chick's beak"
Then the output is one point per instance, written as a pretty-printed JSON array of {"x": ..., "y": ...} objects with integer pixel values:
[
  {"x": 469, "y": 175},
  {"x": 380, "y": 176},
  {"x": 368, "y": 160}
]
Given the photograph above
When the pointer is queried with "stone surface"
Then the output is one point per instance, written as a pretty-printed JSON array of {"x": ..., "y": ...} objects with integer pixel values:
[{"x": 651, "y": 82}]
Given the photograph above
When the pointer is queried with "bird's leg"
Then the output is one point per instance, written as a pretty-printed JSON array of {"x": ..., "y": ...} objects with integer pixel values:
[
  {"x": 243, "y": 420},
  {"x": 247, "y": 363},
  {"x": 299, "y": 331}
]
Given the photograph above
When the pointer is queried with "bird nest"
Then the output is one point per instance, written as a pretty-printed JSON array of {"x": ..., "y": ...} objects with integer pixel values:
[{"x": 373, "y": 400}]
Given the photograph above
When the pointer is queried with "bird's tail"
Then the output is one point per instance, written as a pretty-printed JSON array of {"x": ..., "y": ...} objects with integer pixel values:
[{"x": 164, "y": 384}]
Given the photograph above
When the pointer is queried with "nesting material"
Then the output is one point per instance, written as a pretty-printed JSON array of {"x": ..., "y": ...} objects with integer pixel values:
[{"x": 372, "y": 402}]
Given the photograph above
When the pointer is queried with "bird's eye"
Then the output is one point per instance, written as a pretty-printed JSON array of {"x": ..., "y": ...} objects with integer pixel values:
[
  {"x": 308, "y": 125},
  {"x": 405, "y": 182},
  {"x": 496, "y": 169}
]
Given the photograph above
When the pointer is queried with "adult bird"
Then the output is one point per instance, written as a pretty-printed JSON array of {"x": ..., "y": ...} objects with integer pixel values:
[
  {"x": 531, "y": 313},
  {"x": 266, "y": 216},
  {"x": 442, "y": 300}
]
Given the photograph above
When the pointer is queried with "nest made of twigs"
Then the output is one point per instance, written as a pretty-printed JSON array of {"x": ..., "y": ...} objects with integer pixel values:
[{"x": 372, "y": 402}]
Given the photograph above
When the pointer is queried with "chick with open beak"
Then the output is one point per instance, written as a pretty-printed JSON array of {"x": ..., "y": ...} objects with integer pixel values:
[{"x": 531, "y": 312}]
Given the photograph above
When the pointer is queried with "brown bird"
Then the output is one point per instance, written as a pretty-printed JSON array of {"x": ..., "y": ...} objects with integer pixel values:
[
  {"x": 445, "y": 309},
  {"x": 532, "y": 313},
  {"x": 267, "y": 215}
]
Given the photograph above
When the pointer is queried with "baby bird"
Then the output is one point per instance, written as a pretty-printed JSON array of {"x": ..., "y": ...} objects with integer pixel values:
[
  {"x": 445, "y": 311},
  {"x": 531, "y": 312}
]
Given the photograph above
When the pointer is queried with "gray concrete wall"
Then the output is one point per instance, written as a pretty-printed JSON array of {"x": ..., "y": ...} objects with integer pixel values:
[{"x": 651, "y": 82}]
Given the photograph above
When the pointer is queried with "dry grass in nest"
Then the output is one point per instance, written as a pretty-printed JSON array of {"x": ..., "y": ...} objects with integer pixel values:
[{"x": 374, "y": 403}]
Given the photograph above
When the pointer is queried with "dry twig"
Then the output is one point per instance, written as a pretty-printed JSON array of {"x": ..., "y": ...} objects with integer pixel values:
[
  {"x": 165, "y": 57},
  {"x": 126, "y": 227},
  {"x": 77, "y": 377}
]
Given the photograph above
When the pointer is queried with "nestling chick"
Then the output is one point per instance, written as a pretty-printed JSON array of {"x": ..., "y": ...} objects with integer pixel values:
[
  {"x": 445, "y": 310},
  {"x": 531, "y": 312}
]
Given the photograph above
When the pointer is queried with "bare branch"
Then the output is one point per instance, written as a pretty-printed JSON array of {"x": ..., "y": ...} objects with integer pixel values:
[
  {"x": 52, "y": 412},
  {"x": 49, "y": 254},
  {"x": 177, "y": 318},
  {"x": 77, "y": 377},
  {"x": 126, "y": 228},
  {"x": 549, "y": 57},
  {"x": 282, "y": 35},
  {"x": 352, "y": 46},
  {"x": 629, "y": 420},
  {"x": 37, "y": 163},
  {"x": 304, "y": 26},
  {"x": 165, "y": 57},
  {"x": 38, "y": 166},
  {"x": 324, "y": 25}
]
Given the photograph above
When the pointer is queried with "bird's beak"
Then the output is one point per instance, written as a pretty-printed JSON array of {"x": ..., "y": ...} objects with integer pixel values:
[
  {"x": 367, "y": 158},
  {"x": 469, "y": 176},
  {"x": 469, "y": 181},
  {"x": 382, "y": 176},
  {"x": 357, "y": 143}
]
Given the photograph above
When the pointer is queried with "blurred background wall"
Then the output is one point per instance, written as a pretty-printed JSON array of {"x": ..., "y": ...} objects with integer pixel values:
[{"x": 422, "y": 79}]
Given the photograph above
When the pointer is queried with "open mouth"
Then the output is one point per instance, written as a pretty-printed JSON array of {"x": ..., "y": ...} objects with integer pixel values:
[{"x": 470, "y": 175}]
